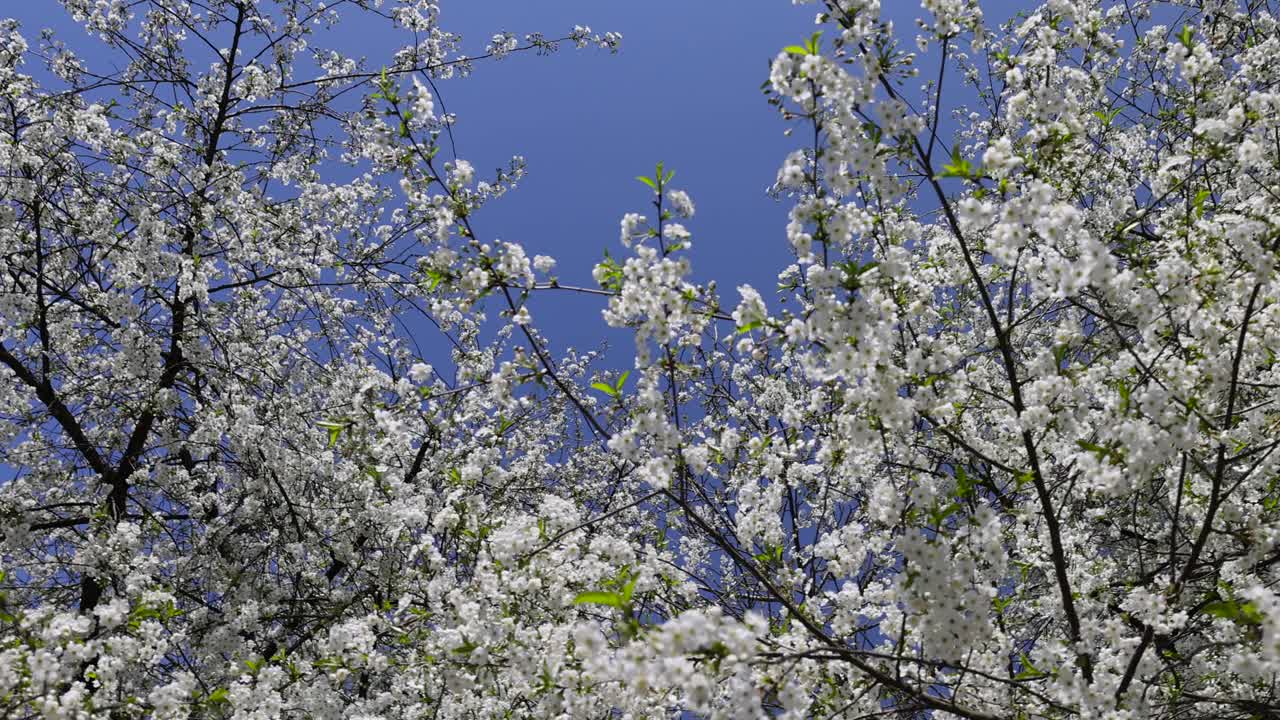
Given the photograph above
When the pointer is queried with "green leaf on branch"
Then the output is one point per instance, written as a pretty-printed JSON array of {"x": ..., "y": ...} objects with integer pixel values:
[
  {"x": 611, "y": 277},
  {"x": 959, "y": 167},
  {"x": 1105, "y": 453},
  {"x": 605, "y": 388},
  {"x": 335, "y": 428},
  {"x": 814, "y": 46},
  {"x": 1092, "y": 447},
  {"x": 1125, "y": 391},
  {"x": 938, "y": 516},
  {"x": 436, "y": 277},
  {"x": 1237, "y": 612},
  {"x": 599, "y": 597},
  {"x": 629, "y": 588},
  {"x": 1028, "y": 671},
  {"x": 1198, "y": 203},
  {"x": 1185, "y": 37},
  {"x": 772, "y": 556},
  {"x": 853, "y": 272},
  {"x": 964, "y": 484},
  {"x": 1106, "y": 116}
]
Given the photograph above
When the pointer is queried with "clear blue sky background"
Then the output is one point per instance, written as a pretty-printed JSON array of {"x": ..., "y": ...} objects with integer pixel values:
[{"x": 684, "y": 89}]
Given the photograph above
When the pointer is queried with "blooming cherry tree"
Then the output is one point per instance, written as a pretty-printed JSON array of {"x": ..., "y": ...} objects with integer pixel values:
[{"x": 1000, "y": 444}]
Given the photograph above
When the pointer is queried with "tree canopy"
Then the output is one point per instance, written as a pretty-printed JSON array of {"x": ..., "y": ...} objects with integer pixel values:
[{"x": 1000, "y": 444}]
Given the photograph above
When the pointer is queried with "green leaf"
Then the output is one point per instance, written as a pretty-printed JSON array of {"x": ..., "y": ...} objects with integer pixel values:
[
  {"x": 1106, "y": 453},
  {"x": 1237, "y": 612},
  {"x": 938, "y": 516},
  {"x": 1106, "y": 116},
  {"x": 1093, "y": 447},
  {"x": 964, "y": 484},
  {"x": 629, "y": 589},
  {"x": 795, "y": 50},
  {"x": 1224, "y": 609},
  {"x": 648, "y": 181},
  {"x": 1185, "y": 36},
  {"x": 622, "y": 379},
  {"x": 958, "y": 167},
  {"x": 604, "y": 388},
  {"x": 1198, "y": 203},
  {"x": 1028, "y": 671},
  {"x": 218, "y": 696},
  {"x": 853, "y": 272},
  {"x": 774, "y": 555},
  {"x": 873, "y": 131},
  {"x": 335, "y": 429},
  {"x": 1123, "y": 388},
  {"x": 436, "y": 277},
  {"x": 814, "y": 46},
  {"x": 599, "y": 597},
  {"x": 1060, "y": 354},
  {"x": 749, "y": 326}
]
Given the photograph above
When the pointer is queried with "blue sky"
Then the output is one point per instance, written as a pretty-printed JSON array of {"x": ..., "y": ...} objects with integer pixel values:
[{"x": 684, "y": 90}]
